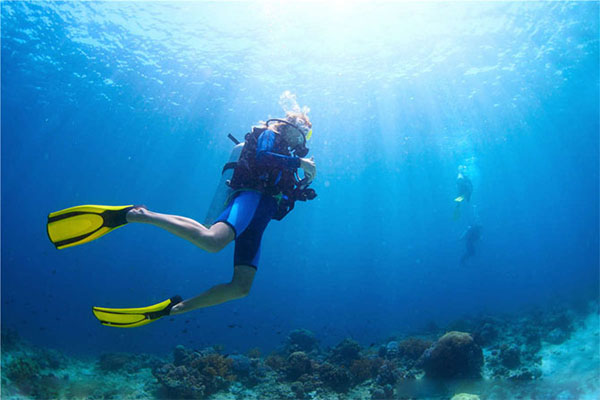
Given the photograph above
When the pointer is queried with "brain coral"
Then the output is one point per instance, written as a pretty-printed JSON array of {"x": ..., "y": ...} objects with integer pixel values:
[{"x": 454, "y": 355}]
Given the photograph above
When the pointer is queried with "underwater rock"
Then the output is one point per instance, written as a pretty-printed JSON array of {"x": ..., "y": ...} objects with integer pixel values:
[
  {"x": 115, "y": 362},
  {"x": 345, "y": 352},
  {"x": 533, "y": 338},
  {"x": 25, "y": 374},
  {"x": 382, "y": 351},
  {"x": 510, "y": 356},
  {"x": 130, "y": 363},
  {"x": 241, "y": 365},
  {"x": 465, "y": 396},
  {"x": 526, "y": 374},
  {"x": 391, "y": 350},
  {"x": 557, "y": 336},
  {"x": 485, "y": 334},
  {"x": 22, "y": 370},
  {"x": 301, "y": 340},
  {"x": 298, "y": 389},
  {"x": 377, "y": 393},
  {"x": 181, "y": 355},
  {"x": 249, "y": 371},
  {"x": 560, "y": 319},
  {"x": 413, "y": 348},
  {"x": 382, "y": 393},
  {"x": 334, "y": 377},
  {"x": 298, "y": 364},
  {"x": 275, "y": 362},
  {"x": 10, "y": 339},
  {"x": 50, "y": 359},
  {"x": 254, "y": 352},
  {"x": 454, "y": 355},
  {"x": 365, "y": 368},
  {"x": 47, "y": 387},
  {"x": 387, "y": 374}
]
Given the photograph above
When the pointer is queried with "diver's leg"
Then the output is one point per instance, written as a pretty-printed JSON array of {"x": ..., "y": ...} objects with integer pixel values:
[
  {"x": 469, "y": 252},
  {"x": 243, "y": 276},
  {"x": 245, "y": 260},
  {"x": 210, "y": 239}
]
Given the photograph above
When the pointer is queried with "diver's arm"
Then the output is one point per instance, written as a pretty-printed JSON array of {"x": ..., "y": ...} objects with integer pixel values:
[
  {"x": 309, "y": 167},
  {"x": 265, "y": 155}
]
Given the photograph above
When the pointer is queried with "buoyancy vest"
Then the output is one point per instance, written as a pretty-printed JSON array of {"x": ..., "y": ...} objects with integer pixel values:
[{"x": 270, "y": 180}]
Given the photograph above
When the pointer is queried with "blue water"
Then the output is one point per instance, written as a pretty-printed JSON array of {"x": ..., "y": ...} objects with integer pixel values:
[{"x": 131, "y": 103}]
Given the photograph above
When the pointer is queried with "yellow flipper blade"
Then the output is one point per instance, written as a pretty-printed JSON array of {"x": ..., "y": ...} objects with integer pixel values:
[
  {"x": 133, "y": 317},
  {"x": 81, "y": 224}
]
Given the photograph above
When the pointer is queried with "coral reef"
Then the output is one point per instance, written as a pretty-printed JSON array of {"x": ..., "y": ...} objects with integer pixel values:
[
  {"x": 297, "y": 365},
  {"x": 413, "y": 348},
  {"x": 365, "y": 368},
  {"x": 194, "y": 374},
  {"x": 126, "y": 362},
  {"x": 335, "y": 377},
  {"x": 22, "y": 369},
  {"x": 486, "y": 333},
  {"x": 249, "y": 371},
  {"x": 510, "y": 356},
  {"x": 301, "y": 340},
  {"x": 25, "y": 373},
  {"x": 345, "y": 352},
  {"x": 275, "y": 361},
  {"x": 507, "y": 351},
  {"x": 388, "y": 374},
  {"x": 382, "y": 393},
  {"x": 454, "y": 355},
  {"x": 254, "y": 352},
  {"x": 10, "y": 339}
]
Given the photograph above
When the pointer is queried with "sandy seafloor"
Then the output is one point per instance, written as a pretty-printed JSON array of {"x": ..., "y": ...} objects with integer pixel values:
[{"x": 569, "y": 370}]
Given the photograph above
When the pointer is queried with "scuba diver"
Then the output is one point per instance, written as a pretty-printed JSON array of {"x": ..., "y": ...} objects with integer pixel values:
[
  {"x": 464, "y": 188},
  {"x": 470, "y": 236},
  {"x": 259, "y": 183}
]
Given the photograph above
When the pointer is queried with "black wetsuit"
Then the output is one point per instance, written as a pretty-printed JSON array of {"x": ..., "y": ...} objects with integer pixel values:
[{"x": 471, "y": 236}]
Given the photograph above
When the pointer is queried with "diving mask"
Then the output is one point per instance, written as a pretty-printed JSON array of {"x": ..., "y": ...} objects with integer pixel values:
[{"x": 299, "y": 148}]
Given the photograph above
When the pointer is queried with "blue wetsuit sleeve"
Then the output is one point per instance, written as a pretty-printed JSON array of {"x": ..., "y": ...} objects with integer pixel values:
[{"x": 265, "y": 155}]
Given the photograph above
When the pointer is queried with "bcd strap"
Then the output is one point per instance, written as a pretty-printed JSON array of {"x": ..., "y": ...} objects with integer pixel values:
[{"x": 229, "y": 165}]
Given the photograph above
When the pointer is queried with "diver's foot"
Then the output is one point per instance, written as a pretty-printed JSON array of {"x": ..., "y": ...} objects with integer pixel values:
[
  {"x": 177, "y": 309},
  {"x": 138, "y": 214}
]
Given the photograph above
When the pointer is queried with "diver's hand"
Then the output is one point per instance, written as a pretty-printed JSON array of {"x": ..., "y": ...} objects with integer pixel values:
[{"x": 309, "y": 167}]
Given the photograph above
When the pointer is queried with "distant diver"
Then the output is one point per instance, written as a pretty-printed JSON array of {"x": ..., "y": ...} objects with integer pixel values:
[
  {"x": 464, "y": 188},
  {"x": 259, "y": 183},
  {"x": 471, "y": 236}
]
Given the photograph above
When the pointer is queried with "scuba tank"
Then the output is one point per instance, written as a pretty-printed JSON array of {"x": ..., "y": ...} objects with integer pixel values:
[
  {"x": 223, "y": 191},
  {"x": 298, "y": 190}
]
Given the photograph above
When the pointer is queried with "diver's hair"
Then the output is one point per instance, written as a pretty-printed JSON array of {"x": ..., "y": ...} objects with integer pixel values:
[{"x": 297, "y": 118}]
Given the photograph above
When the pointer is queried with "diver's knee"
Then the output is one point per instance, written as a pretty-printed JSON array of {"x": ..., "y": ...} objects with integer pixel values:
[
  {"x": 217, "y": 237},
  {"x": 213, "y": 246},
  {"x": 240, "y": 290},
  {"x": 213, "y": 243}
]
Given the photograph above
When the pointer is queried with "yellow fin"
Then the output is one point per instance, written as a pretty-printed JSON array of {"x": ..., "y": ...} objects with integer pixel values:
[{"x": 133, "y": 317}]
